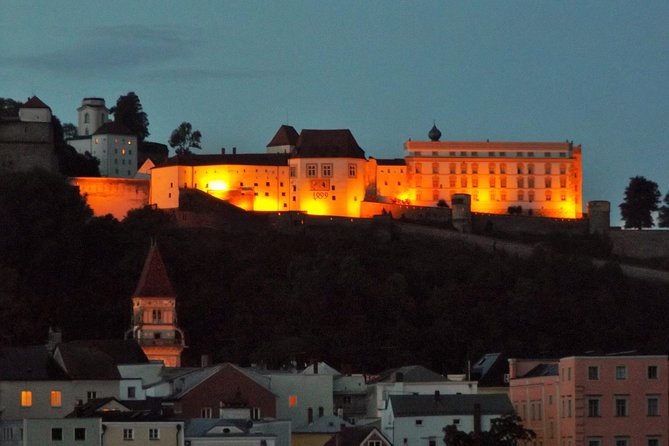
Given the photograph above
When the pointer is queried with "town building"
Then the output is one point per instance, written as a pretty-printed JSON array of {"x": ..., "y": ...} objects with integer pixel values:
[
  {"x": 419, "y": 420},
  {"x": 616, "y": 400},
  {"x": 27, "y": 141},
  {"x": 359, "y": 436},
  {"x": 154, "y": 315}
]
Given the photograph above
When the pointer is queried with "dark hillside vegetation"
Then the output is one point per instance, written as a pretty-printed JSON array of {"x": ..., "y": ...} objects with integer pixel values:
[{"x": 363, "y": 298}]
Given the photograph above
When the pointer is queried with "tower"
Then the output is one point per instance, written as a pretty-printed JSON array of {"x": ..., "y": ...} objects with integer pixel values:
[
  {"x": 154, "y": 316},
  {"x": 92, "y": 114}
]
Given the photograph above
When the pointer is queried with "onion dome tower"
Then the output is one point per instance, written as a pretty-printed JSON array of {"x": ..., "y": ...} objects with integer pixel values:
[
  {"x": 154, "y": 315},
  {"x": 434, "y": 133}
]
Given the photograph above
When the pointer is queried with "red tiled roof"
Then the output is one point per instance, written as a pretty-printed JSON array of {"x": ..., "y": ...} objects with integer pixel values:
[
  {"x": 35, "y": 102},
  {"x": 285, "y": 136},
  {"x": 154, "y": 281},
  {"x": 113, "y": 128},
  {"x": 328, "y": 144}
]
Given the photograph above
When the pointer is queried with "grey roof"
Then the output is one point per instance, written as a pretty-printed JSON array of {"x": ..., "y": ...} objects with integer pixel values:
[
  {"x": 431, "y": 405},
  {"x": 490, "y": 369},
  {"x": 33, "y": 363},
  {"x": 325, "y": 424},
  {"x": 99, "y": 359},
  {"x": 542, "y": 370},
  {"x": 201, "y": 427},
  {"x": 409, "y": 373}
]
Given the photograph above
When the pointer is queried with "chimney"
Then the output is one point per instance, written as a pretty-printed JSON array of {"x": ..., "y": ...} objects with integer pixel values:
[
  {"x": 234, "y": 150},
  {"x": 54, "y": 338},
  {"x": 222, "y": 150},
  {"x": 513, "y": 368}
]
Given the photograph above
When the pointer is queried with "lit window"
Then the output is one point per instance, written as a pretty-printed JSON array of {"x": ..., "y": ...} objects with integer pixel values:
[
  {"x": 55, "y": 398},
  {"x": 26, "y": 398},
  {"x": 123, "y": 152},
  {"x": 130, "y": 142},
  {"x": 353, "y": 170},
  {"x": 154, "y": 434},
  {"x": 128, "y": 434},
  {"x": 292, "y": 401},
  {"x": 311, "y": 170},
  {"x": 97, "y": 141}
]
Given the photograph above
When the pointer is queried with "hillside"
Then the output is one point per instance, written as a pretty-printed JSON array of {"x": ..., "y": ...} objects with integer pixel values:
[{"x": 364, "y": 297}]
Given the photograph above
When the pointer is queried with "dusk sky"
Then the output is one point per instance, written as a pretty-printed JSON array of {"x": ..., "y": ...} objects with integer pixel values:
[{"x": 595, "y": 72}]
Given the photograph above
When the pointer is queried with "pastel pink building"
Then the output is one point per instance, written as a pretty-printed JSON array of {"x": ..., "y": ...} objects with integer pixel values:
[{"x": 593, "y": 400}]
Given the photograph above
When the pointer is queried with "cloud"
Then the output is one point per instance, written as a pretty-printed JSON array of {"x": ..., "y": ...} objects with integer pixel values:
[{"x": 111, "y": 51}]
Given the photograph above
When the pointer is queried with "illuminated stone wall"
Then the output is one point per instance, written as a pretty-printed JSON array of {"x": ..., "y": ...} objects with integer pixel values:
[{"x": 115, "y": 196}]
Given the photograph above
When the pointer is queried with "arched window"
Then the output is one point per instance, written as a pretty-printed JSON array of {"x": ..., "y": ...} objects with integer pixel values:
[
  {"x": 86, "y": 118},
  {"x": 321, "y": 412},
  {"x": 310, "y": 415}
]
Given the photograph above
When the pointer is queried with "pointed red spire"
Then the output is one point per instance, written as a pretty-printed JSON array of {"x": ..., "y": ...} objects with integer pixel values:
[{"x": 154, "y": 281}]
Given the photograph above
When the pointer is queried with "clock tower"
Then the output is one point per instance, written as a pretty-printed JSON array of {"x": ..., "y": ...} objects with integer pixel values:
[{"x": 154, "y": 316}]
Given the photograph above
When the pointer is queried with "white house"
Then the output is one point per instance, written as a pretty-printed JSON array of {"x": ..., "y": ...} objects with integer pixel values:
[{"x": 419, "y": 420}]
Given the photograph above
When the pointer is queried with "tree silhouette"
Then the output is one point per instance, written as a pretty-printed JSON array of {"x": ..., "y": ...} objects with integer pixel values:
[
  {"x": 663, "y": 217},
  {"x": 128, "y": 111},
  {"x": 641, "y": 199},
  {"x": 183, "y": 138}
]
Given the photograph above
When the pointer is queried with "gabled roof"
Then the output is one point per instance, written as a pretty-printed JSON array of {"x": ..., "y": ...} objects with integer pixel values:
[
  {"x": 354, "y": 436},
  {"x": 98, "y": 359},
  {"x": 409, "y": 373},
  {"x": 33, "y": 363},
  {"x": 542, "y": 370},
  {"x": 113, "y": 128},
  {"x": 327, "y": 144},
  {"x": 35, "y": 102},
  {"x": 285, "y": 136},
  {"x": 96, "y": 407},
  {"x": 154, "y": 281},
  {"x": 433, "y": 405},
  {"x": 490, "y": 369}
]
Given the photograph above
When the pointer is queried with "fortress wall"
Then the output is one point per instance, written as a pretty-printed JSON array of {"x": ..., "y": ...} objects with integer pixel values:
[
  {"x": 115, "y": 196},
  {"x": 646, "y": 244},
  {"x": 521, "y": 224}
]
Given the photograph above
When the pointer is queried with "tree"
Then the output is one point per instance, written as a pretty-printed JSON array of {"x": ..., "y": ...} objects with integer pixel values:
[
  {"x": 128, "y": 111},
  {"x": 183, "y": 138},
  {"x": 663, "y": 218},
  {"x": 9, "y": 107},
  {"x": 504, "y": 431},
  {"x": 70, "y": 162},
  {"x": 642, "y": 197},
  {"x": 69, "y": 130}
]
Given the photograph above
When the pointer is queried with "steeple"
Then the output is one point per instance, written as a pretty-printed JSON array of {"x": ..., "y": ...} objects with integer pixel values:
[
  {"x": 434, "y": 133},
  {"x": 154, "y": 316}
]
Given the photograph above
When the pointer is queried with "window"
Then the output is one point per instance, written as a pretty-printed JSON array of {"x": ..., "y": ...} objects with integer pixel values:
[
  {"x": 593, "y": 373},
  {"x": 435, "y": 195},
  {"x": 326, "y": 170},
  {"x": 652, "y": 372},
  {"x": 593, "y": 407},
  {"x": 519, "y": 168},
  {"x": 530, "y": 168},
  {"x": 353, "y": 170},
  {"x": 79, "y": 434},
  {"x": 549, "y": 195},
  {"x": 311, "y": 170},
  {"x": 293, "y": 172},
  {"x": 292, "y": 401},
  {"x": 463, "y": 181},
  {"x": 520, "y": 183},
  {"x": 491, "y": 167},
  {"x": 451, "y": 181},
  {"x": 451, "y": 168},
  {"x": 374, "y": 443},
  {"x": 26, "y": 398},
  {"x": 154, "y": 433},
  {"x": 435, "y": 182},
  {"x": 206, "y": 412},
  {"x": 502, "y": 168},
  {"x": 563, "y": 169},
  {"x": 547, "y": 168},
  {"x": 128, "y": 434},
  {"x": 653, "y": 442},
  {"x": 621, "y": 372},
  {"x": 475, "y": 168},
  {"x": 432, "y": 443},
  {"x": 594, "y": 442},
  {"x": 86, "y": 118},
  {"x": 55, "y": 398},
  {"x": 56, "y": 434},
  {"x": 521, "y": 195},
  {"x": 463, "y": 168},
  {"x": 653, "y": 404},
  {"x": 435, "y": 167},
  {"x": 530, "y": 197},
  {"x": 132, "y": 393},
  {"x": 310, "y": 415},
  {"x": 419, "y": 422},
  {"x": 548, "y": 182},
  {"x": 157, "y": 315},
  {"x": 620, "y": 441},
  {"x": 502, "y": 182},
  {"x": 492, "y": 182},
  {"x": 621, "y": 406},
  {"x": 475, "y": 182}
]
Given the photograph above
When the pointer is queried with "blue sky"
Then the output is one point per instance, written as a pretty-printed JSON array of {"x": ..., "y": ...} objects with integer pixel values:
[{"x": 595, "y": 72}]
